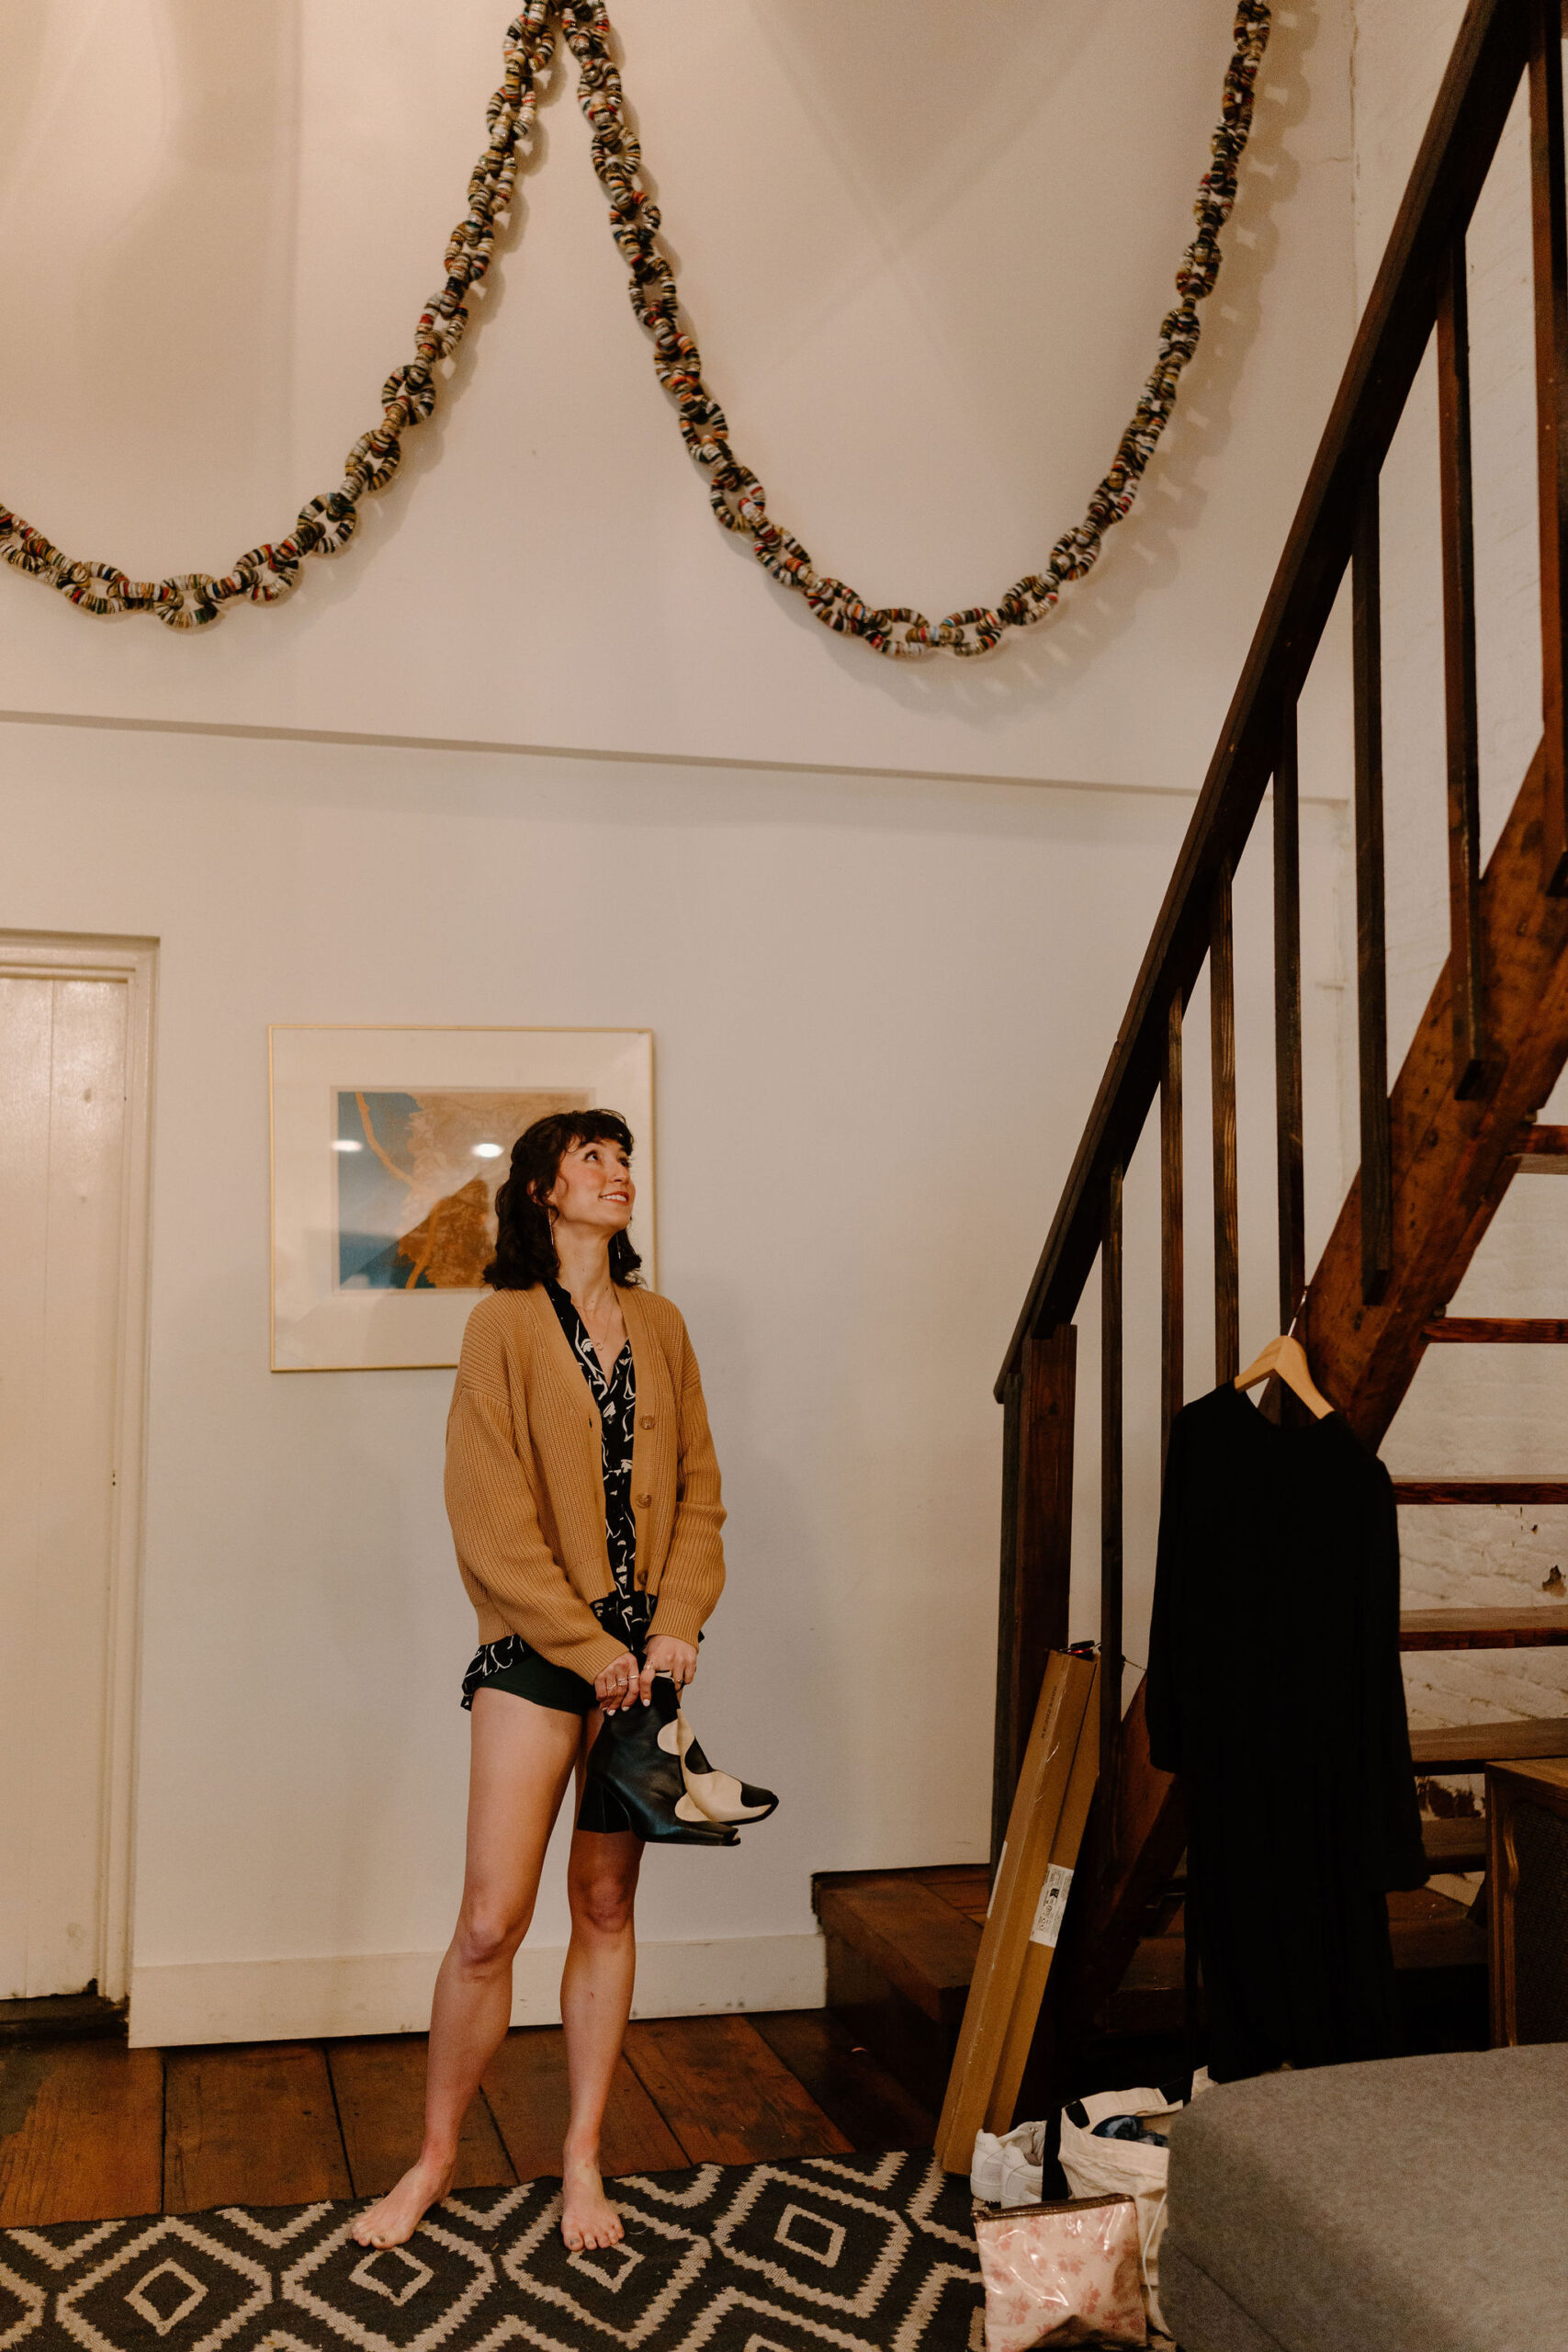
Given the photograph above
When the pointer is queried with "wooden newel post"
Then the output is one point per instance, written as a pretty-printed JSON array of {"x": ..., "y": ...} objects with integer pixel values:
[{"x": 1037, "y": 1533}]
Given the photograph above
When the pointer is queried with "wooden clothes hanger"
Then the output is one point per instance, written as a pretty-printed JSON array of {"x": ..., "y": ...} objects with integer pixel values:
[{"x": 1287, "y": 1357}]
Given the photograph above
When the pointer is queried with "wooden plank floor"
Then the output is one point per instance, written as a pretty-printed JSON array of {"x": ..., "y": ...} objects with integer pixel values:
[{"x": 90, "y": 2130}]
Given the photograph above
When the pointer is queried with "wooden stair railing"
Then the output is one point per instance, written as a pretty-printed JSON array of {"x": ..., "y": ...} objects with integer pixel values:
[{"x": 1437, "y": 1155}]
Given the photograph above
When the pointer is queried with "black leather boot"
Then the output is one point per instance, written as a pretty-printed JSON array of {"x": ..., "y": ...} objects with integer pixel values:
[{"x": 634, "y": 1781}]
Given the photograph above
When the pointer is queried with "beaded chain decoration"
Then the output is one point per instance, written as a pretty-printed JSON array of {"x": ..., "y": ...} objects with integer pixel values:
[{"x": 191, "y": 599}]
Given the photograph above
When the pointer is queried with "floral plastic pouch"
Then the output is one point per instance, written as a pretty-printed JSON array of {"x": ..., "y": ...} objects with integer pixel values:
[{"x": 1061, "y": 2274}]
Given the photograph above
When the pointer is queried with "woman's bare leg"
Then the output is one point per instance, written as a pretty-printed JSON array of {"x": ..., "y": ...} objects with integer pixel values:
[
  {"x": 595, "y": 2002},
  {"x": 521, "y": 1758}
]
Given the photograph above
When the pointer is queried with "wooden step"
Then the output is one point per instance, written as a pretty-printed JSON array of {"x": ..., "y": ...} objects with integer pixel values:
[
  {"x": 1466, "y": 1747},
  {"x": 1544, "y": 1152},
  {"x": 1431, "y": 1930},
  {"x": 1526, "y": 1628},
  {"x": 923, "y": 1945},
  {"x": 899, "y": 1960},
  {"x": 1456, "y": 1845},
  {"x": 1500, "y": 1330},
  {"x": 1481, "y": 1490},
  {"x": 1426, "y": 1929},
  {"x": 901, "y": 1955}
]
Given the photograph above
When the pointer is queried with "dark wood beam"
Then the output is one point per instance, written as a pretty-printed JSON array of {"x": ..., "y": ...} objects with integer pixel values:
[
  {"x": 1037, "y": 1543},
  {"x": 1452, "y": 1160}
]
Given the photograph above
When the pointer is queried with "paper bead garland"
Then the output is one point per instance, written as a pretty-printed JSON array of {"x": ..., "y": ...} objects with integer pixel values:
[{"x": 192, "y": 599}]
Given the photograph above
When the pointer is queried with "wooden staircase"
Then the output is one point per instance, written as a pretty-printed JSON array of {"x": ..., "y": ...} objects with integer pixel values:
[{"x": 1438, "y": 1152}]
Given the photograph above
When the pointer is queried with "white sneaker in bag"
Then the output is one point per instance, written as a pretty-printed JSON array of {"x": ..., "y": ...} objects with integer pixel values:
[{"x": 1009, "y": 2170}]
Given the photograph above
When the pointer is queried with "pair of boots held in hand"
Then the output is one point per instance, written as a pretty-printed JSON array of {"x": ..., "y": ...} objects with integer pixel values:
[{"x": 648, "y": 1774}]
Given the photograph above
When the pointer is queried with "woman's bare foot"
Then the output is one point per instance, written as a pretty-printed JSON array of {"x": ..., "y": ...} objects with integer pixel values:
[
  {"x": 393, "y": 2220},
  {"x": 587, "y": 2217}
]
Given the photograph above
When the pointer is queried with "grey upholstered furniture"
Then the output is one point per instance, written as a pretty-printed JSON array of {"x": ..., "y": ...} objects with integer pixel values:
[{"x": 1420, "y": 2205}]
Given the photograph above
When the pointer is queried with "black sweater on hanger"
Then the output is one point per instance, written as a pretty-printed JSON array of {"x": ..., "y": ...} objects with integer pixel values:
[{"x": 1275, "y": 1692}]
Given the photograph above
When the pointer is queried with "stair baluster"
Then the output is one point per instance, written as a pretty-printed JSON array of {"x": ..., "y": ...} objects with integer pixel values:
[
  {"x": 1458, "y": 674},
  {"x": 1221, "y": 1062},
  {"x": 1288, "y": 1128},
  {"x": 1172, "y": 1234},
  {"x": 1110, "y": 1517},
  {"x": 1550, "y": 248},
  {"x": 1371, "y": 955}
]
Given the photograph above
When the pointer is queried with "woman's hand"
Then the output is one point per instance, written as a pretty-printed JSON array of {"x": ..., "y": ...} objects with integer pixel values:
[
  {"x": 618, "y": 1686},
  {"x": 667, "y": 1656}
]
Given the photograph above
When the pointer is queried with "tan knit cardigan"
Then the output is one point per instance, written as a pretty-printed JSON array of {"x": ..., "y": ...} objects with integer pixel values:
[{"x": 525, "y": 1486}]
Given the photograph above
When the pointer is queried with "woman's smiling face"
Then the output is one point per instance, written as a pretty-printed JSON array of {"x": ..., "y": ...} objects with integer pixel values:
[{"x": 594, "y": 1187}]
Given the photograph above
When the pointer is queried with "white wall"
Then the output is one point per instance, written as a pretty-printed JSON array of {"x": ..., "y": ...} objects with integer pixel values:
[
  {"x": 926, "y": 250},
  {"x": 1479, "y": 1409},
  {"x": 880, "y": 1011}
]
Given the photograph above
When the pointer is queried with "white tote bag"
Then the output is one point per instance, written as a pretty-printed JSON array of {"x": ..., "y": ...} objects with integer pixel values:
[{"x": 1125, "y": 2168}]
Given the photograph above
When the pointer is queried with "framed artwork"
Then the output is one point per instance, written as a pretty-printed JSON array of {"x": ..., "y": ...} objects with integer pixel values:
[{"x": 388, "y": 1146}]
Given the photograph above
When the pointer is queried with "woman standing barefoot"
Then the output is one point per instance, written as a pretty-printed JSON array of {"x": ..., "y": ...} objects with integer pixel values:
[{"x": 584, "y": 1500}]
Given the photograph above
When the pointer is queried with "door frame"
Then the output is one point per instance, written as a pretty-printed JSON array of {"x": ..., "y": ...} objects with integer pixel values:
[{"x": 64, "y": 956}]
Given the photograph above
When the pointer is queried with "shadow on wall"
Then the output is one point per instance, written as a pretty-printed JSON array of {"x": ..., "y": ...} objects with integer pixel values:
[
  {"x": 205, "y": 264},
  {"x": 966, "y": 85},
  {"x": 1002, "y": 75},
  {"x": 189, "y": 217}
]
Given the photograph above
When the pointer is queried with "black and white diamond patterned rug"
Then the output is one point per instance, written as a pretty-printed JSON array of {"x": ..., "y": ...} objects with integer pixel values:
[{"x": 822, "y": 2254}]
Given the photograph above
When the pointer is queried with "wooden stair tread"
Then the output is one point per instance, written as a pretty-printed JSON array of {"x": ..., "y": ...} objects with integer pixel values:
[
  {"x": 1544, "y": 1152},
  {"x": 1464, "y": 1748},
  {"x": 1481, "y": 1490},
  {"x": 893, "y": 1917},
  {"x": 1458, "y": 1844},
  {"x": 920, "y": 1943},
  {"x": 1500, "y": 1330},
  {"x": 1426, "y": 1929},
  {"x": 1523, "y": 1628},
  {"x": 966, "y": 1886}
]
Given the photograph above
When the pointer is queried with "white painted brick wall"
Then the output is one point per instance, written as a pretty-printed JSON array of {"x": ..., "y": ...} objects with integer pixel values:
[{"x": 1471, "y": 1409}]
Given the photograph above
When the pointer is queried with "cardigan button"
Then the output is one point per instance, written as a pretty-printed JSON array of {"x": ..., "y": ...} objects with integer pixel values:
[
  {"x": 647, "y": 1421},
  {"x": 644, "y": 1502}
]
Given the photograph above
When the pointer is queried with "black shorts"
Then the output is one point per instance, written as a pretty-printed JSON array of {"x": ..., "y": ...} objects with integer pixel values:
[
  {"x": 537, "y": 1677},
  {"x": 512, "y": 1664}
]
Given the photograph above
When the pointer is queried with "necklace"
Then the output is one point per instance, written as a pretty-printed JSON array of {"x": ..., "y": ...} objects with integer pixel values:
[{"x": 193, "y": 599}]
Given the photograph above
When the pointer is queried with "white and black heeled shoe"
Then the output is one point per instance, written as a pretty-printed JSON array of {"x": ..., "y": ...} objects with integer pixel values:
[{"x": 710, "y": 1795}]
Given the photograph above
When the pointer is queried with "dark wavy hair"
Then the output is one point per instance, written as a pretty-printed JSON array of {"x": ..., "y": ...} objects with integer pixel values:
[{"x": 524, "y": 1249}]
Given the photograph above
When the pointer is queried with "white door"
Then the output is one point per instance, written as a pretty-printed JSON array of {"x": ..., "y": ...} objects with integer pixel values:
[{"x": 62, "y": 1169}]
